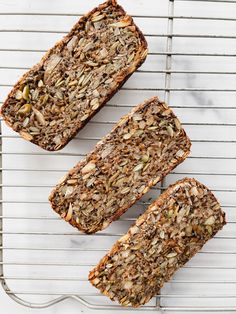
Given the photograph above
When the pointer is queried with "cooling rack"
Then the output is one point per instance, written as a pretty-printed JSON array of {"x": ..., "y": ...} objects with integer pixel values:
[{"x": 192, "y": 66}]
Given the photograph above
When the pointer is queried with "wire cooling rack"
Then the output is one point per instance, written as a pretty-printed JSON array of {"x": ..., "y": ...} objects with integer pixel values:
[{"x": 192, "y": 66}]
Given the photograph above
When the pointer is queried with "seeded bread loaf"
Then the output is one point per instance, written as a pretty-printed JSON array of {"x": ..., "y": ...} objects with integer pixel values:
[
  {"x": 141, "y": 149},
  {"x": 57, "y": 97},
  {"x": 164, "y": 238}
]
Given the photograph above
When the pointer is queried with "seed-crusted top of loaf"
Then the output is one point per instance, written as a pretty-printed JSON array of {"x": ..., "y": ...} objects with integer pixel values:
[
  {"x": 142, "y": 148},
  {"x": 75, "y": 78},
  {"x": 163, "y": 239}
]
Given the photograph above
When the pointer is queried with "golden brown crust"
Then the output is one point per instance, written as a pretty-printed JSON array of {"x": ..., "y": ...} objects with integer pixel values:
[
  {"x": 123, "y": 77},
  {"x": 53, "y": 196},
  {"x": 124, "y": 244}
]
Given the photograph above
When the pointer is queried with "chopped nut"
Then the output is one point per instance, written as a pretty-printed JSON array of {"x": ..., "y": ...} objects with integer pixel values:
[
  {"x": 57, "y": 139},
  {"x": 40, "y": 83},
  {"x": 145, "y": 158},
  {"x": 137, "y": 117},
  {"x": 88, "y": 168},
  {"x": 210, "y": 221},
  {"x": 127, "y": 136},
  {"x": 194, "y": 191},
  {"x": 142, "y": 125},
  {"x": 104, "y": 54},
  {"x": 134, "y": 229},
  {"x": 69, "y": 191},
  {"x": 18, "y": 95},
  {"x": 209, "y": 229},
  {"x": 128, "y": 284},
  {"x": 180, "y": 153}
]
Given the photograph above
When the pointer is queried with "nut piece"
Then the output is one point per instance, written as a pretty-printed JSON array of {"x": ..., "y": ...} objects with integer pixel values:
[
  {"x": 128, "y": 284},
  {"x": 180, "y": 153},
  {"x": 88, "y": 168},
  {"x": 127, "y": 136},
  {"x": 145, "y": 158},
  {"x": 210, "y": 221},
  {"x": 18, "y": 95},
  {"x": 40, "y": 83},
  {"x": 69, "y": 191}
]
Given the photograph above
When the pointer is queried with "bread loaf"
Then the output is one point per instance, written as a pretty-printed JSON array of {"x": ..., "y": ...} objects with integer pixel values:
[
  {"x": 163, "y": 239},
  {"x": 141, "y": 149},
  {"x": 57, "y": 96}
]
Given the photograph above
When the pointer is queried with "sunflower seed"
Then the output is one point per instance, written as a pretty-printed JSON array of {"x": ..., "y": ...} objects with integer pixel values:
[{"x": 39, "y": 116}]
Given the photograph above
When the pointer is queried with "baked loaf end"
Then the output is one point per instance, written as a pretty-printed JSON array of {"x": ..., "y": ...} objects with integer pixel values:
[
  {"x": 141, "y": 149},
  {"x": 164, "y": 238},
  {"x": 57, "y": 97}
]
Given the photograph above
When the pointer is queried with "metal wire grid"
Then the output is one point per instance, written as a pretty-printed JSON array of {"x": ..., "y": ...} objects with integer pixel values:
[{"x": 23, "y": 296}]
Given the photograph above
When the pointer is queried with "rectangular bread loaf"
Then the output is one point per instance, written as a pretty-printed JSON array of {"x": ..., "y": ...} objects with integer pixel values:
[
  {"x": 57, "y": 96},
  {"x": 164, "y": 238},
  {"x": 141, "y": 149}
]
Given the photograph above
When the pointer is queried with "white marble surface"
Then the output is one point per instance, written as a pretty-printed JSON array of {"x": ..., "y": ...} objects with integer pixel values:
[{"x": 207, "y": 115}]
